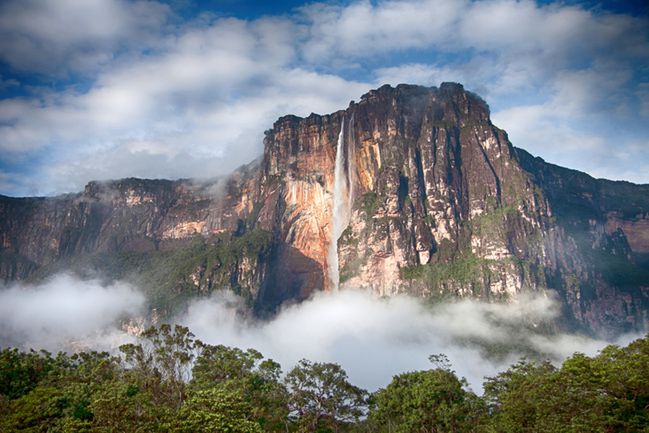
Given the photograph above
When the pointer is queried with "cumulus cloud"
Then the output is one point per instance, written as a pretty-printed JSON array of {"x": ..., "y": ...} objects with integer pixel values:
[
  {"x": 363, "y": 29},
  {"x": 196, "y": 108},
  {"x": 59, "y": 37},
  {"x": 167, "y": 97},
  {"x": 65, "y": 313}
]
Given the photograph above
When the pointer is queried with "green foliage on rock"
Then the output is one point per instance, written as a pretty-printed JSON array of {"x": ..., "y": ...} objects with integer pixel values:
[
  {"x": 493, "y": 222},
  {"x": 170, "y": 277},
  {"x": 439, "y": 277},
  {"x": 369, "y": 203}
]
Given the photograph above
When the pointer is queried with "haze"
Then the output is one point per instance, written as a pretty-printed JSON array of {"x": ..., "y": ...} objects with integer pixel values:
[{"x": 372, "y": 338}]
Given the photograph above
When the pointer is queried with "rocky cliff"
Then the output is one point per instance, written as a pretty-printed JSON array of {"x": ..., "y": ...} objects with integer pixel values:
[{"x": 409, "y": 190}]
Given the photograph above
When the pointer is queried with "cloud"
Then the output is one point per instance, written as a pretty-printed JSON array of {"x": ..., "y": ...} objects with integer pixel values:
[
  {"x": 508, "y": 28},
  {"x": 54, "y": 37},
  {"x": 590, "y": 121},
  {"x": 198, "y": 108},
  {"x": 361, "y": 29},
  {"x": 374, "y": 338},
  {"x": 66, "y": 312},
  {"x": 167, "y": 97}
]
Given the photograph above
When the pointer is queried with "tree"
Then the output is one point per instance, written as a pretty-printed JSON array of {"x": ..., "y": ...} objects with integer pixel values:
[
  {"x": 514, "y": 395},
  {"x": 162, "y": 362},
  {"x": 61, "y": 399},
  {"x": 39, "y": 410},
  {"x": 428, "y": 401},
  {"x": 607, "y": 393},
  {"x": 20, "y": 372},
  {"x": 319, "y": 393},
  {"x": 257, "y": 379},
  {"x": 218, "y": 364},
  {"x": 217, "y": 409}
]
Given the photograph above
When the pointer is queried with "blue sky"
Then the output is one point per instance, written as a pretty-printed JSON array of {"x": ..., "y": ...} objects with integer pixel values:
[{"x": 101, "y": 89}]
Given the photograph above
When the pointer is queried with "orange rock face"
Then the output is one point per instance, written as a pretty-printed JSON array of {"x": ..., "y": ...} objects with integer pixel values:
[{"x": 440, "y": 204}]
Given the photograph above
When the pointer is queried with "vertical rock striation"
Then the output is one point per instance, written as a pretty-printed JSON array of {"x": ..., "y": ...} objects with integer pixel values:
[
  {"x": 443, "y": 206},
  {"x": 409, "y": 190}
]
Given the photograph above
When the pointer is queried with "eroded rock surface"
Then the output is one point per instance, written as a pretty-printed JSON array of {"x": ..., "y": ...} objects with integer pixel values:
[{"x": 441, "y": 205}]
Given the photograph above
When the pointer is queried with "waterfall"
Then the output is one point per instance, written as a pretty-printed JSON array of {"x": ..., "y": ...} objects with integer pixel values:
[
  {"x": 341, "y": 211},
  {"x": 351, "y": 158}
]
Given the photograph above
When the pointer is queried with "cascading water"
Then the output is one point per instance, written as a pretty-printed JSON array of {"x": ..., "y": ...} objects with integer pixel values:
[
  {"x": 341, "y": 212},
  {"x": 351, "y": 157}
]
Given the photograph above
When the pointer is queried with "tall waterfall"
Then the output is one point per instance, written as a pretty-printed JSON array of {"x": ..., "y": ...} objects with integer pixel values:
[{"x": 342, "y": 203}]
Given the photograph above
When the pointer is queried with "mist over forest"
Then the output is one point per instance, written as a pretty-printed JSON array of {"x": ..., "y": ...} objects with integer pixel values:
[
  {"x": 339, "y": 362},
  {"x": 373, "y": 338}
]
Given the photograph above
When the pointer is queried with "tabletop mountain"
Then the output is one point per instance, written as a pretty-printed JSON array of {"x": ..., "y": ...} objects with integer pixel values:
[{"x": 409, "y": 190}]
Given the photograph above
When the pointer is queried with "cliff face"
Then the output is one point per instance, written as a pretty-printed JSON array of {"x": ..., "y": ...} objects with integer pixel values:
[
  {"x": 410, "y": 190},
  {"x": 179, "y": 230},
  {"x": 605, "y": 270}
]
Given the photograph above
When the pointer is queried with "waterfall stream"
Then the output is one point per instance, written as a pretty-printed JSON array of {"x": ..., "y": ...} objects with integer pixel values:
[{"x": 341, "y": 212}]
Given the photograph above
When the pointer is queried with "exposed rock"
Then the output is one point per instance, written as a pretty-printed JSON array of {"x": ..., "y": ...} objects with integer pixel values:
[{"x": 442, "y": 205}]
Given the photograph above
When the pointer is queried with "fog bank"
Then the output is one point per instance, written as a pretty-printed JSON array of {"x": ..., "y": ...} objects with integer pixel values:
[
  {"x": 372, "y": 338},
  {"x": 66, "y": 313}
]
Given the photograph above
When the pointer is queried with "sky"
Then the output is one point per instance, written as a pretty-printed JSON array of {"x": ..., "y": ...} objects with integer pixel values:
[{"x": 104, "y": 89}]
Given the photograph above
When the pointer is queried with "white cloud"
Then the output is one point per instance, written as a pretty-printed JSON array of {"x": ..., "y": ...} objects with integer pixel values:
[
  {"x": 66, "y": 312},
  {"x": 362, "y": 29},
  {"x": 374, "y": 339},
  {"x": 193, "y": 99},
  {"x": 54, "y": 37},
  {"x": 554, "y": 32},
  {"x": 583, "y": 123},
  {"x": 197, "y": 109}
]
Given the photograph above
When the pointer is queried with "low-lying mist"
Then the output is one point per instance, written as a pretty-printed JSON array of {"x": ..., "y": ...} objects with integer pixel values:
[
  {"x": 376, "y": 338},
  {"x": 372, "y": 338},
  {"x": 66, "y": 313}
]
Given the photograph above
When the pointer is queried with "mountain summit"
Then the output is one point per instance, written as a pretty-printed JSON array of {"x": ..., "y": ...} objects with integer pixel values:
[{"x": 409, "y": 190}]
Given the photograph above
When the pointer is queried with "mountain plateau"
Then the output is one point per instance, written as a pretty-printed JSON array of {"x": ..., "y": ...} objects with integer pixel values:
[{"x": 409, "y": 190}]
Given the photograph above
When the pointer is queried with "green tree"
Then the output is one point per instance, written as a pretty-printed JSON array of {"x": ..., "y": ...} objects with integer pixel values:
[
  {"x": 20, "y": 372},
  {"x": 40, "y": 410},
  {"x": 123, "y": 407},
  {"x": 431, "y": 401},
  {"x": 257, "y": 379},
  {"x": 217, "y": 364},
  {"x": 161, "y": 363},
  {"x": 217, "y": 409},
  {"x": 607, "y": 393},
  {"x": 513, "y": 396},
  {"x": 61, "y": 399},
  {"x": 320, "y": 396}
]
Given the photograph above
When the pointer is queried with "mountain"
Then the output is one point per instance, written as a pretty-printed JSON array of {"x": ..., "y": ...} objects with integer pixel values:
[{"x": 409, "y": 190}]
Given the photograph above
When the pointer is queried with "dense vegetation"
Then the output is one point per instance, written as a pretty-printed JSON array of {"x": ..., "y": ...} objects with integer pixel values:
[
  {"x": 171, "y": 382},
  {"x": 171, "y": 276}
]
